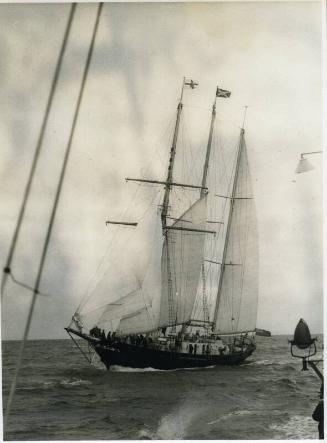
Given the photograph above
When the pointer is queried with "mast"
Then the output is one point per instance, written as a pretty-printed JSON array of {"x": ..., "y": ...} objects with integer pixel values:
[
  {"x": 203, "y": 192},
  {"x": 165, "y": 203},
  {"x": 169, "y": 180},
  {"x": 206, "y": 163},
  {"x": 223, "y": 94},
  {"x": 232, "y": 199}
]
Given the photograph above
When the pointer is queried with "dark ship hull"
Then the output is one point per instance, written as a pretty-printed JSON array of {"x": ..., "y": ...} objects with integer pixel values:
[{"x": 137, "y": 357}]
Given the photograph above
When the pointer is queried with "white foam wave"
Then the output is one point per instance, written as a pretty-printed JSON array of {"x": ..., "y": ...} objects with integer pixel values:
[
  {"x": 175, "y": 425},
  {"x": 48, "y": 384},
  {"x": 117, "y": 368},
  {"x": 74, "y": 382},
  {"x": 298, "y": 427},
  {"x": 231, "y": 414},
  {"x": 269, "y": 362},
  {"x": 145, "y": 434}
]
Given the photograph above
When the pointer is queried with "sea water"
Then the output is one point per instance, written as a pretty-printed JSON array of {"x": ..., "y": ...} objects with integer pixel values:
[{"x": 60, "y": 396}]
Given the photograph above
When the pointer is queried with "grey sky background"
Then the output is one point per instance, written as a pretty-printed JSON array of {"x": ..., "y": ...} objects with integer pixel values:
[{"x": 267, "y": 53}]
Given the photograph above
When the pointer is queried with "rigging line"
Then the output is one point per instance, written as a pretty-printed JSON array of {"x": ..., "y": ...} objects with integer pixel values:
[
  {"x": 95, "y": 279},
  {"x": 89, "y": 360},
  {"x": 39, "y": 143},
  {"x": 197, "y": 107},
  {"x": 189, "y": 170},
  {"x": 246, "y": 229},
  {"x": 113, "y": 303},
  {"x": 51, "y": 221},
  {"x": 24, "y": 285},
  {"x": 148, "y": 303},
  {"x": 155, "y": 142},
  {"x": 188, "y": 160},
  {"x": 234, "y": 166},
  {"x": 89, "y": 293}
]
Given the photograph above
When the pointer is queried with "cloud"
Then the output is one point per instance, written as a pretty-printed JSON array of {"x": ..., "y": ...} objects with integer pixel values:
[{"x": 267, "y": 54}]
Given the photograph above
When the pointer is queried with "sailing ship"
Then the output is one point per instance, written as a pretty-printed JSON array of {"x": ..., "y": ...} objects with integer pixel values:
[{"x": 182, "y": 292}]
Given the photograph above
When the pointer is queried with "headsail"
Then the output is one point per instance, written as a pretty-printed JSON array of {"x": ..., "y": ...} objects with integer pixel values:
[
  {"x": 132, "y": 279},
  {"x": 238, "y": 289}
]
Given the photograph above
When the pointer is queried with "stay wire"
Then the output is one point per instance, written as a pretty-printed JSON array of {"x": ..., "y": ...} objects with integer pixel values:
[
  {"x": 7, "y": 269},
  {"x": 52, "y": 218},
  {"x": 26, "y": 286}
]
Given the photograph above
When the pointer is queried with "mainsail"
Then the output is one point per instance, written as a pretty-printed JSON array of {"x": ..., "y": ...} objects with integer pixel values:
[
  {"x": 182, "y": 256},
  {"x": 236, "y": 308}
]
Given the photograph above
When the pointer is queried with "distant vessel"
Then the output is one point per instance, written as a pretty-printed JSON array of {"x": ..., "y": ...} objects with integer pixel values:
[
  {"x": 262, "y": 332},
  {"x": 151, "y": 318}
]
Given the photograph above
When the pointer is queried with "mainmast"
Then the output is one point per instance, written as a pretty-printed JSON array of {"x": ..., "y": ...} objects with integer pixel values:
[
  {"x": 206, "y": 163},
  {"x": 232, "y": 199},
  {"x": 219, "y": 93},
  {"x": 222, "y": 93},
  {"x": 203, "y": 192}
]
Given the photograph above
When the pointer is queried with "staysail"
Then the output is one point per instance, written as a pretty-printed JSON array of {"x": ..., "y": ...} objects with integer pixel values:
[
  {"x": 182, "y": 257},
  {"x": 236, "y": 309}
]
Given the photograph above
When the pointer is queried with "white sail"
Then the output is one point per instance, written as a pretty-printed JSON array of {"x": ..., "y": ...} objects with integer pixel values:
[
  {"x": 139, "y": 310},
  {"x": 238, "y": 296},
  {"x": 182, "y": 256},
  {"x": 132, "y": 280},
  {"x": 136, "y": 322}
]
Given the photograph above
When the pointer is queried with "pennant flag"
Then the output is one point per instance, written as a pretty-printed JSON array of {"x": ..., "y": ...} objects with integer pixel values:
[
  {"x": 222, "y": 93},
  {"x": 191, "y": 83}
]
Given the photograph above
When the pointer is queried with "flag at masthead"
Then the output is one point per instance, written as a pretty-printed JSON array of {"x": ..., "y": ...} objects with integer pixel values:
[
  {"x": 222, "y": 93},
  {"x": 193, "y": 84}
]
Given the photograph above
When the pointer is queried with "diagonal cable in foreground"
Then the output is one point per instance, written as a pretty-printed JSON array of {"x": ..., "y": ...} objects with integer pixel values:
[
  {"x": 52, "y": 218},
  {"x": 7, "y": 268}
]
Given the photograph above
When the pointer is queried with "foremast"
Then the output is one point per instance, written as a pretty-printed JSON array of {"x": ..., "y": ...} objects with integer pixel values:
[
  {"x": 175, "y": 244},
  {"x": 169, "y": 180},
  {"x": 165, "y": 204}
]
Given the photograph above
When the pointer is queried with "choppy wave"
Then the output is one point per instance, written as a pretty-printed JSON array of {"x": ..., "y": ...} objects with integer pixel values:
[
  {"x": 238, "y": 413},
  {"x": 65, "y": 383},
  {"x": 117, "y": 368},
  {"x": 145, "y": 434},
  {"x": 298, "y": 427},
  {"x": 268, "y": 398},
  {"x": 75, "y": 383},
  {"x": 175, "y": 425},
  {"x": 282, "y": 362}
]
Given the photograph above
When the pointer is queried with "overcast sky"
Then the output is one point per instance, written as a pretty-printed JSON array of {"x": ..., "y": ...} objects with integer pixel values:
[{"x": 267, "y": 53}]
